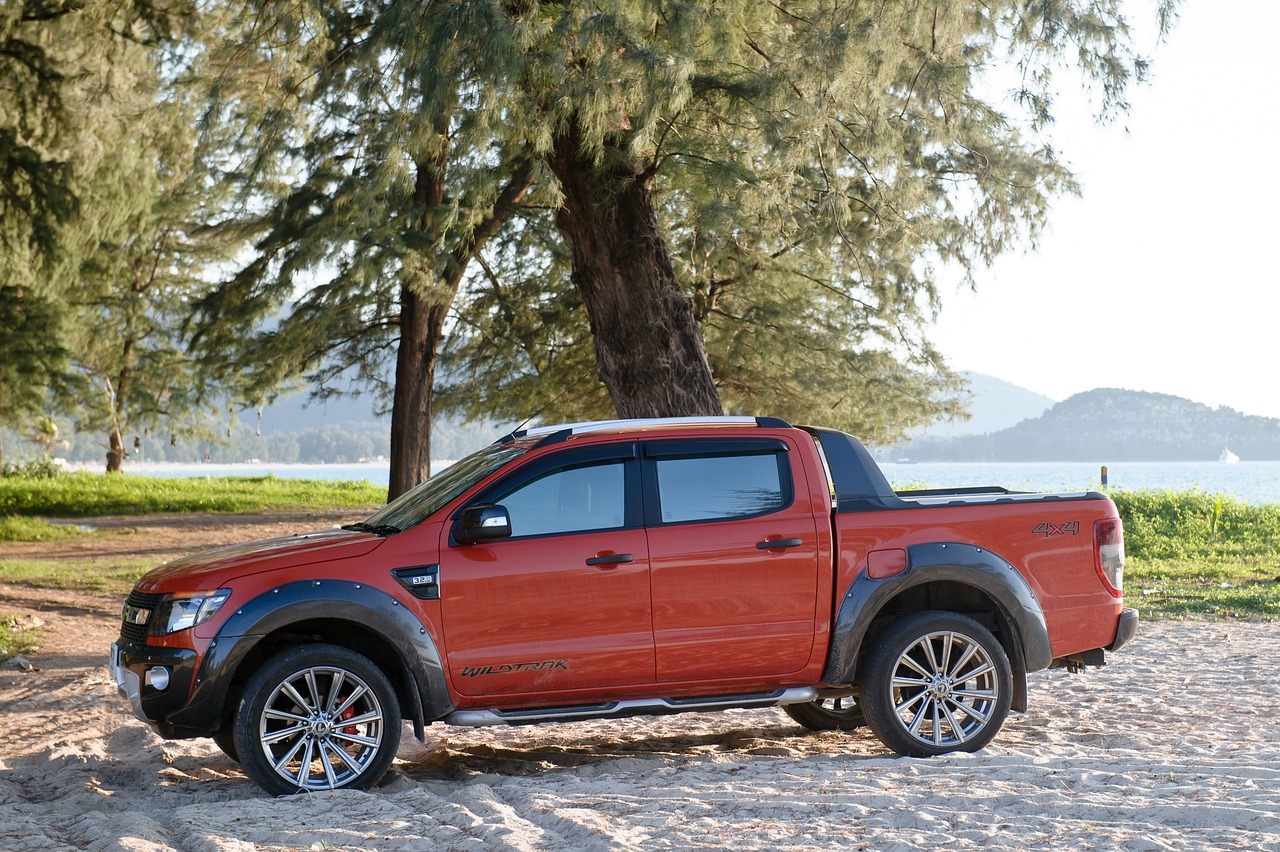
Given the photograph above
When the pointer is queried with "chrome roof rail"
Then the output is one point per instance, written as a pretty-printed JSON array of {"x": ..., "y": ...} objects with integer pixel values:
[{"x": 564, "y": 430}]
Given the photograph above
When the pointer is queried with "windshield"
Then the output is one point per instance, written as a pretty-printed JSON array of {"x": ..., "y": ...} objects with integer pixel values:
[{"x": 418, "y": 503}]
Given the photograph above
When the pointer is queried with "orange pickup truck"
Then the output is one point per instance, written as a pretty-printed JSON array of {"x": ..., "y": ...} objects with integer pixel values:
[{"x": 626, "y": 568}]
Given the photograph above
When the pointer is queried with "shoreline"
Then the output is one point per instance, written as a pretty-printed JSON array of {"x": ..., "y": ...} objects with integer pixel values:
[{"x": 1254, "y": 482}]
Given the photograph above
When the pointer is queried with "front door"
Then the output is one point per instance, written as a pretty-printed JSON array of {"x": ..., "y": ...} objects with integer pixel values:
[{"x": 564, "y": 603}]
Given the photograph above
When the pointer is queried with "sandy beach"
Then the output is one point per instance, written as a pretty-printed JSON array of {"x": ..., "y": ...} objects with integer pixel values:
[{"x": 1174, "y": 745}]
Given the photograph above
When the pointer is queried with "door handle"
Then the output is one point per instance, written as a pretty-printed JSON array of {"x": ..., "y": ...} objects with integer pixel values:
[
  {"x": 614, "y": 559},
  {"x": 778, "y": 543}
]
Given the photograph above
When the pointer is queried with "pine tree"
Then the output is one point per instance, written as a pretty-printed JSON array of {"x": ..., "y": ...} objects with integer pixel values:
[
  {"x": 755, "y": 200},
  {"x": 35, "y": 191},
  {"x": 813, "y": 157},
  {"x": 154, "y": 256},
  {"x": 103, "y": 217},
  {"x": 802, "y": 173},
  {"x": 372, "y": 189}
]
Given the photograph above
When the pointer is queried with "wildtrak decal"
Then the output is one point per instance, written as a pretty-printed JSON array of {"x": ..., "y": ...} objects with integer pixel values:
[
  {"x": 511, "y": 668},
  {"x": 1048, "y": 530}
]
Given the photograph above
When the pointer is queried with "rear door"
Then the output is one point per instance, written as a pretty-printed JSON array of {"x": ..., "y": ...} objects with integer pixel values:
[
  {"x": 564, "y": 603},
  {"x": 733, "y": 554}
]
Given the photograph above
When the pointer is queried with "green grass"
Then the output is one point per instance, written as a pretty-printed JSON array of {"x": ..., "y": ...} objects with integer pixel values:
[
  {"x": 1197, "y": 555},
  {"x": 83, "y": 495},
  {"x": 25, "y": 501},
  {"x": 14, "y": 638},
  {"x": 116, "y": 579},
  {"x": 18, "y": 528}
]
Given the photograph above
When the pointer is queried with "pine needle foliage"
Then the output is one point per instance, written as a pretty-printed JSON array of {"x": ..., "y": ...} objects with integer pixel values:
[
  {"x": 154, "y": 252},
  {"x": 816, "y": 167},
  {"x": 32, "y": 357},
  {"x": 368, "y": 185},
  {"x": 51, "y": 54},
  {"x": 797, "y": 178}
]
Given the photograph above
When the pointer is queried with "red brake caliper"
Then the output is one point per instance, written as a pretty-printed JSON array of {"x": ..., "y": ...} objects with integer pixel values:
[{"x": 349, "y": 713}]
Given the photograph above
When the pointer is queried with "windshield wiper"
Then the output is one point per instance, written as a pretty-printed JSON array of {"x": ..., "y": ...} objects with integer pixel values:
[{"x": 376, "y": 529}]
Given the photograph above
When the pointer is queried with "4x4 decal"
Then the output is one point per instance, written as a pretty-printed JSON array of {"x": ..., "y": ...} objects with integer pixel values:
[
  {"x": 509, "y": 668},
  {"x": 1049, "y": 530}
]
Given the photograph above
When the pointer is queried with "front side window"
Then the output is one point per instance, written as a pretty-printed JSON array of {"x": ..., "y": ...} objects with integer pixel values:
[
  {"x": 718, "y": 487},
  {"x": 574, "y": 499}
]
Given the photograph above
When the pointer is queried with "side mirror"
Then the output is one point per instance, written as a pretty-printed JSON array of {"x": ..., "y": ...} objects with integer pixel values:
[{"x": 482, "y": 522}]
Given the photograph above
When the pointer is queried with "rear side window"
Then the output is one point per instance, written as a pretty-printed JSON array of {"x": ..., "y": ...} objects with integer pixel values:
[{"x": 721, "y": 486}]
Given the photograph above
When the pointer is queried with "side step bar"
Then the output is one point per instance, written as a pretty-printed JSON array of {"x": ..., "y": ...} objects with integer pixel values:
[{"x": 635, "y": 707}]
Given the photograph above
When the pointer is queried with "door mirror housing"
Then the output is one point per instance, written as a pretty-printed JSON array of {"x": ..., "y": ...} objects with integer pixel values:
[{"x": 482, "y": 522}]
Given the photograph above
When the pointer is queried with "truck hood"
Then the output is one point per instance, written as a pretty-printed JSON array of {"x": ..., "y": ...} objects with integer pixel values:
[{"x": 214, "y": 568}]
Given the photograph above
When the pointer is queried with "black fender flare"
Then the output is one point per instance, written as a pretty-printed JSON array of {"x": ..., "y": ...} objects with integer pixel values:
[
  {"x": 370, "y": 608},
  {"x": 985, "y": 571}
]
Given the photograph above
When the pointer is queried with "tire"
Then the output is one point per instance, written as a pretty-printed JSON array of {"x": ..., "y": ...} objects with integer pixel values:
[
  {"x": 226, "y": 741},
  {"x": 935, "y": 683},
  {"x": 828, "y": 714},
  {"x": 317, "y": 717}
]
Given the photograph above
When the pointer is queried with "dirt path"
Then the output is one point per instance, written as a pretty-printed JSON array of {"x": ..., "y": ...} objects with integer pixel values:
[{"x": 1175, "y": 745}]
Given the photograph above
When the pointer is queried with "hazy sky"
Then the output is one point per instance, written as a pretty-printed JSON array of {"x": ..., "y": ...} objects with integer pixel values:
[{"x": 1162, "y": 276}]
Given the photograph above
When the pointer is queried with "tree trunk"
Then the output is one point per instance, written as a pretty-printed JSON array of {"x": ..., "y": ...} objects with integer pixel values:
[
  {"x": 115, "y": 451},
  {"x": 650, "y": 352},
  {"x": 422, "y": 321},
  {"x": 421, "y": 329}
]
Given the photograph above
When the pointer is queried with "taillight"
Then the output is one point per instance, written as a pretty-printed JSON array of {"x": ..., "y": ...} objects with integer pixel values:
[{"x": 1108, "y": 553}]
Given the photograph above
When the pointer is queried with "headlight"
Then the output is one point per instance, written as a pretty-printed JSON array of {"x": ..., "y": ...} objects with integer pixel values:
[{"x": 182, "y": 611}]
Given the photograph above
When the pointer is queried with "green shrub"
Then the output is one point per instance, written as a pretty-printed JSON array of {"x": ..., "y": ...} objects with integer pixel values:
[
  {"x": 41, "y": 467},
  {"x": 1193, "y": 524},
  {"x": 1196, "y": 555}
]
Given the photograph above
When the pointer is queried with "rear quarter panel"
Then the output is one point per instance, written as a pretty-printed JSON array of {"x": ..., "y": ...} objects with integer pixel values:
[{"x": 1049, "y": 542}]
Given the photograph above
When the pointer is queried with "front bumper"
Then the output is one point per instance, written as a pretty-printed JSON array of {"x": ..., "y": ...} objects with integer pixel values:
[
  {"x": 1126, "y": 629},
  {"x": 155, "y": 681}
]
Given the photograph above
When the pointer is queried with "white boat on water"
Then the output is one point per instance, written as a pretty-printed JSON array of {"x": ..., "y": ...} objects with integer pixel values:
[{"x": 1228, "y": 457}]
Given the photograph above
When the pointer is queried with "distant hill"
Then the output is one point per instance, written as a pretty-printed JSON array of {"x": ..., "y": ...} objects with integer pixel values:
[
  {"x": 1009, "y": 424},
  {"x": 993, "y": 404},
  {"x": 1116, "y": 425},
  {"x": 298, "y": 411},
  {"x": 450, "y": 439}
]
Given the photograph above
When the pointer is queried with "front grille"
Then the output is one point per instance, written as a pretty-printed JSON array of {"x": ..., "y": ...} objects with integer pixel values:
[{"x": 131, "y": 632}]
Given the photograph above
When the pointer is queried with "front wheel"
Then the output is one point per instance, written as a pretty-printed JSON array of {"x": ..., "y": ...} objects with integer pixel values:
[
  {"x": 317, "y": 717},
  {"x": 936, "y": 682},
  {"x": 226, "y": 741}
]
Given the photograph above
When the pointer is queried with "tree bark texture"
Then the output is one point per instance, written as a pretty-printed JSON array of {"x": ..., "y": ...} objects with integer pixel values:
[
  {"x": 116, "y": 452},
  {"x": 651, "y": 355},
  {"x": 421, "y": 329},
  {"x": 421, "y": 323}
]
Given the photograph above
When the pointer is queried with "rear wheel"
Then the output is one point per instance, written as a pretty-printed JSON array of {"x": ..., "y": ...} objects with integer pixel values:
[
  {"x": 936, "y": 682},
  {"x": 828, "y": 714},
  {"x": 317, "y": 717}
]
